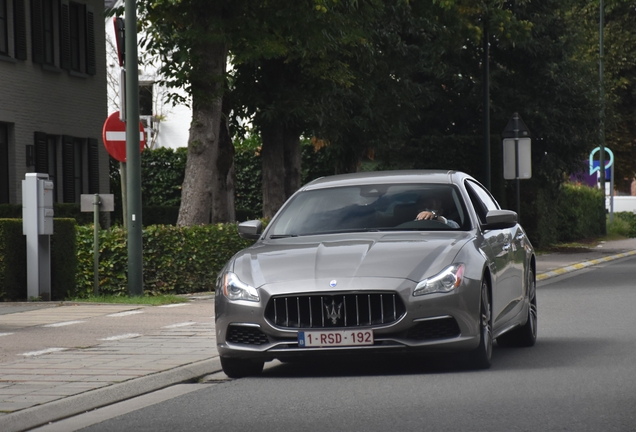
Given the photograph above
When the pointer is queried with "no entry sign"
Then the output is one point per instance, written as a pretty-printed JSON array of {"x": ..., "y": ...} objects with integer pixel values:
[{"x": 114, "y": 136}]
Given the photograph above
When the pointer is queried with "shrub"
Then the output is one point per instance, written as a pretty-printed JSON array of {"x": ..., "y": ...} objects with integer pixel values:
[
  {"x": 13, "y": 274},
  {"x": 624, "y": 224},
  {"x": 176, "y": 260},
  {"x": 572, "y": 212},
  {"x": 13, "y": 262}
]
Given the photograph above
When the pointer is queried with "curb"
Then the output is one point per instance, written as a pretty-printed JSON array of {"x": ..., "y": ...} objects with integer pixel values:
[
  {"x": 62, "y": 408},
  {"x": 582, "y": 265}
]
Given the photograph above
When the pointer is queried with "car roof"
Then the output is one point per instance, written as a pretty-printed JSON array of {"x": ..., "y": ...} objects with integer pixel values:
[{"x": 383, "y": 177}]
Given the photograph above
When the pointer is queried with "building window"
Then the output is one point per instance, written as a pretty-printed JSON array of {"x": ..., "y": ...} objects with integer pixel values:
[
  {"x": 76, "y": 22},
  {"x": 80, "y": 167},
  {"x": 145, "y": 98},
  {"x": 4, "y": 35},
  {"x": 44, "y": 16},
  {"x": 15, "y": 18},
  {"x": 78, "y": 172},
  {"x": 4, "y": 163},
  {"x": 77, "y": 38}
]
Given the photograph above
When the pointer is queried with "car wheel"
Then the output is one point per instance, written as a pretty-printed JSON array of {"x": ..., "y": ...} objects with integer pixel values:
[
  {"x": 526, "y": 335},
  {"x": 480, "y": 358},
  {"x": 239, "y": 368}
]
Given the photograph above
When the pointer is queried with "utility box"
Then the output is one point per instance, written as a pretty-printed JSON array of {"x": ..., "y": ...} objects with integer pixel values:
[
  {"x": 45, "y": 207},
  {"x": 37, "y": 226}
]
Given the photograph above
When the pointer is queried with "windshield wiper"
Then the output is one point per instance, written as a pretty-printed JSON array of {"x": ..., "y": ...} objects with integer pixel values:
[
  {"x": 280, "y": 236},
  {"x": 343, "y": 231}
]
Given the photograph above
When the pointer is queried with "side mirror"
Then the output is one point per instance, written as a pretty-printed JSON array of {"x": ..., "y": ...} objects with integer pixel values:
[
  {"x": 250, "y": 230},
  {"x": 498, "y": 219}
]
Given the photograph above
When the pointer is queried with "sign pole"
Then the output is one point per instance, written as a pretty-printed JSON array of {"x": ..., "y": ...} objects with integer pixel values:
[
  {"x": 96, "y": 244},
  {"x": 133, "y": 159},
  {"x": 516, "y": 130}
]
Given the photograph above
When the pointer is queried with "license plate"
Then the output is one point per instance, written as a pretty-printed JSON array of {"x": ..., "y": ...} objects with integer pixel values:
[{"x": 335, "y": 338}]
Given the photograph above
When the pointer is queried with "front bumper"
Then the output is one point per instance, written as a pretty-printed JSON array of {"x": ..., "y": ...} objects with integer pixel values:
[{"x": 430, "y": 323}]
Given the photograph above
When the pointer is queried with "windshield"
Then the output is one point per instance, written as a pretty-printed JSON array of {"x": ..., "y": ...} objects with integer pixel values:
[{"x": 371, "y": 208}]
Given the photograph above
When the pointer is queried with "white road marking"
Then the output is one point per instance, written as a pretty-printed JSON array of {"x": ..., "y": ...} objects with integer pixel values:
[
  {"x": 121, "y": 314},
  {"x": 62, "y": 324},
  {"x": 183, "y": 324},
  {"x": 175, "y": 305},
  {"x": 46, "y": 351},
  {"x": 5, "y": 334},
  {"x": 122, "y": 336}
]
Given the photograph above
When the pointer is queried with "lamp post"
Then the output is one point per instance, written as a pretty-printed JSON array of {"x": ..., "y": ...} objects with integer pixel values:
[
  {"x": 601, "y": 92},
  {"x": 133, "y": 159}
]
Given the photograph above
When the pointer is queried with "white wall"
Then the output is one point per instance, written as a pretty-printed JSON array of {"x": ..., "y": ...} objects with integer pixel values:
[{"x": 173, "y": 128}]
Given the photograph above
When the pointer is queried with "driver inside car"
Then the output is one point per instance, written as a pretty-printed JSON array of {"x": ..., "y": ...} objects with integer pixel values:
[{"x": 430, "y": 208}]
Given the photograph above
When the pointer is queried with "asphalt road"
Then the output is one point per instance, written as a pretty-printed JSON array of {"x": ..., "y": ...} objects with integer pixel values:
[{"x": 580, "y": 376}]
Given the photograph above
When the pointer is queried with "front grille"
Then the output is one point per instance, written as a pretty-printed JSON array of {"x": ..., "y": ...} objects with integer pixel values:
[
  {"x": 442, "y": 328},
  {"x": 246, "y": 335},
  {"x": 330, "y": 311}
]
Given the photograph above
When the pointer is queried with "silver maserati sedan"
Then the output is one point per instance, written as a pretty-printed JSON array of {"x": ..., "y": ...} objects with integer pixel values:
[{"x": 393, "y": 261}]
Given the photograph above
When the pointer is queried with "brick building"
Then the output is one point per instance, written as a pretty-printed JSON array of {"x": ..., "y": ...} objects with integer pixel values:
[{"x": 53, "y": 96}]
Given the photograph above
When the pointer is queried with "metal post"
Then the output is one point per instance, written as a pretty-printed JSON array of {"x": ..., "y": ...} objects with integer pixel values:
[
  {"x": 601, "y": 98},
  {"x": 133, "y": 160},
  {"x": 124, "y": 194},
  {"x": 96, "y": 204},
  {"x": 611, "y": 194},
  {"x": 486, "y": 70},
  {"x": 515, "y": 118}
]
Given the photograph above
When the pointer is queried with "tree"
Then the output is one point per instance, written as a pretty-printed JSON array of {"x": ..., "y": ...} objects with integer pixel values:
[
  {"x": 287, "y": 89},
  {"x": 619, "y": 81},
  {"x": 191, "y": 40}
]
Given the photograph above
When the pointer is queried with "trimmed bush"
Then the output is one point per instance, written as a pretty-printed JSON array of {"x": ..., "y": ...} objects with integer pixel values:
[
  {"x": 573, "y": 212},
  {"x": 63, "y": 258},
  {"x": 10, "y": 211},
  {"x": 13, "y": 262},
  {"x": 176, "y": 260},
  {"x": 624, "y": 224}
]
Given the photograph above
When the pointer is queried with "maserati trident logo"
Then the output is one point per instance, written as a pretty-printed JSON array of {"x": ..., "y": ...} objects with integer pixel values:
[{"x": 333, "y": 311}]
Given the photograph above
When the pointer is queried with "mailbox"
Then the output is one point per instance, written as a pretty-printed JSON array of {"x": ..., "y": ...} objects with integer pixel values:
[
  {"x": 45, "y": 207},
  {"x": 37, "y": 225}
]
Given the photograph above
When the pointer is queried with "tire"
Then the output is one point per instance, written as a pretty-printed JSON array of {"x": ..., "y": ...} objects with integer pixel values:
[
  {"x": 239, "y": 368},
  {"x": 480, "y": 358},
  {"x": 525, "y": 335}
]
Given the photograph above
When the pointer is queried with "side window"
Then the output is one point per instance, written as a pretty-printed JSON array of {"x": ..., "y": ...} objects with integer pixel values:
[{"x": 481, "y": 199}]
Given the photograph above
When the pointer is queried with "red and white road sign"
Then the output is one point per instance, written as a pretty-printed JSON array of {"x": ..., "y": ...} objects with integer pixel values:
[{"x": 114, "y": 136}]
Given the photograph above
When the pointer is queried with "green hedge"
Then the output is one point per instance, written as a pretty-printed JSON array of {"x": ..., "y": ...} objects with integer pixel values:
[
  {"x": 13, "y": 263},
  {"x": 175, "y": 260},
  {"x": 62, "y": 211},
  {"x": 12, "y": 260},
  {"x": 573, "y": 212}
]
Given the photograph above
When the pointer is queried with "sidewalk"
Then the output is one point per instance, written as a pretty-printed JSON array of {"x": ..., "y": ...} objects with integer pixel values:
[
  {"x": 558, "y": 263},
  {"x": 43, "y": 388}
]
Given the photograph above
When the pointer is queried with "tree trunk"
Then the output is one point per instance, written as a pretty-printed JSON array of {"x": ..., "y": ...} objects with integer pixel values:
[
  {"x": 292, "y": 162},
  {"x": 203, "y": 144},
  {"x": 280, "y": 157},
  {"x": 273, "y": 160},
  {"x": 224, "y": 178}
]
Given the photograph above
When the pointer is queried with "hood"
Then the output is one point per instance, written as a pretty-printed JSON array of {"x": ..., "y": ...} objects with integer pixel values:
[{"x": 411, "y": 256}]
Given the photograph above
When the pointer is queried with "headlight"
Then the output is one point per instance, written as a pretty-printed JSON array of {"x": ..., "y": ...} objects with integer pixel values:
[
  {"x": 234, "y": 289},
  {"x": 445, "y": 281}
]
